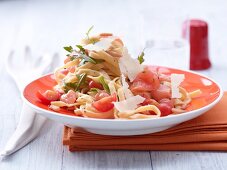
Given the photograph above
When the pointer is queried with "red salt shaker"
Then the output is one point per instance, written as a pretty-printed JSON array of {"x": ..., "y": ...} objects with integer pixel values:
[{"x": 196, "y": 31}]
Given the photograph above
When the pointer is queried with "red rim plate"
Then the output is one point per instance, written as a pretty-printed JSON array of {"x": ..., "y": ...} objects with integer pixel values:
[{"x": 193, "y": 81}]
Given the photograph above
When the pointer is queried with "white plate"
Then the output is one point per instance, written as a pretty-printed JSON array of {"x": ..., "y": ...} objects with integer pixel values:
[{"x": 124, "y": 127}]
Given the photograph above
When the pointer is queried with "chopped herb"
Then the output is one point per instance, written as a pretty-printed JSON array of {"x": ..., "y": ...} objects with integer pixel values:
[
  {"x": 82, "y": 62},
  {"x": 96, "y": 90},
  {"x": 140, "y": 57},
  {"x": 69, "y": 86},
  {"x": 72, "y": 85},
  {"x": 104, "y": 84},
  {"x": 86, "y": 58},
  {"x": 81, "y": 48},
  {"x": 66, "y": 90},
  {"x": 89, "y": 30},
  {"x": 81, "y": 81},
  {"x": 68, "y": 48},
  {"x": 72, "y": 58},
  {"x": 78, "y": 76}
]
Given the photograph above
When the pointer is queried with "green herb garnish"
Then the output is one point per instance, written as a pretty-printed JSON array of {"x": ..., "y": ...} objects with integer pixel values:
[
  {"x": 82, "y": 62},
  {"x": 104, "y": 84},
  {"x": 140, "y": 57},
  {"x": 69, "y": 86},
  {"x": 86, "y": 58},
  {"x": 81, "y": 81},
  {"x": 68, "y": 48},
  {"x": 81, "y": 48},
  {"x": 96, "y": 90},
  {"x": 72, "y": 58},
  {"x": 88, "y": 32},
  {"x": 78, "y": 76},
  {"x": 75, "y": 85},
  {"x": 92, "y": 60},
  {"x": 91, "y": 40}
]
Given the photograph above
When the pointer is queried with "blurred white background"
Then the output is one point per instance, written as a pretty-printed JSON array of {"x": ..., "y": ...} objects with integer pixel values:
[{"x": 47, "y": 26}]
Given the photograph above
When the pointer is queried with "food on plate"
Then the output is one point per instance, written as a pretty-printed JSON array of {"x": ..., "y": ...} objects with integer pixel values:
[{"x": 100, "y": 79}]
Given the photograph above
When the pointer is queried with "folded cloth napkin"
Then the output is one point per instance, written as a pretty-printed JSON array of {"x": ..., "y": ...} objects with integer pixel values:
[
  {"x": 28, "y": 128},
  {"x": 206, "y": 132}
]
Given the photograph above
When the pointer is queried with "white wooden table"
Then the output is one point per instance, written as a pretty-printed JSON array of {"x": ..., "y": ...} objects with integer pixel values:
[{"x": 47, "y": 26}]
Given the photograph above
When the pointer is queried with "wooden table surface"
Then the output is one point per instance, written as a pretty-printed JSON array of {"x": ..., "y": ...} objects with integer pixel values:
[{"x": 46, "y": 26}]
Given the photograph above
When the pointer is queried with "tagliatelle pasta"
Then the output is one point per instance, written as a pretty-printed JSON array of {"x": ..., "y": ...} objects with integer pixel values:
[{"x": 100, "y": 80}]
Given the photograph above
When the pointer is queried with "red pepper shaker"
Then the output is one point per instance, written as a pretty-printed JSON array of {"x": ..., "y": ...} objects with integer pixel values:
[{"x": 196, "y": 31}]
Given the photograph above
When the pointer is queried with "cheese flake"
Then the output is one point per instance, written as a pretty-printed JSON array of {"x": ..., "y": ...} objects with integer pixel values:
[
  {"x": 129, "y": 66},
  {"x": 103, "y": 44},
  {"x": 125, "y": 87},
  {"x": 176, "y": 80},
  {"x": 129, "y": 104}
]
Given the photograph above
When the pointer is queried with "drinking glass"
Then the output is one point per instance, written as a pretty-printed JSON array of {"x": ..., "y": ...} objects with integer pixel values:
[{"x": 164, "y": 45}]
